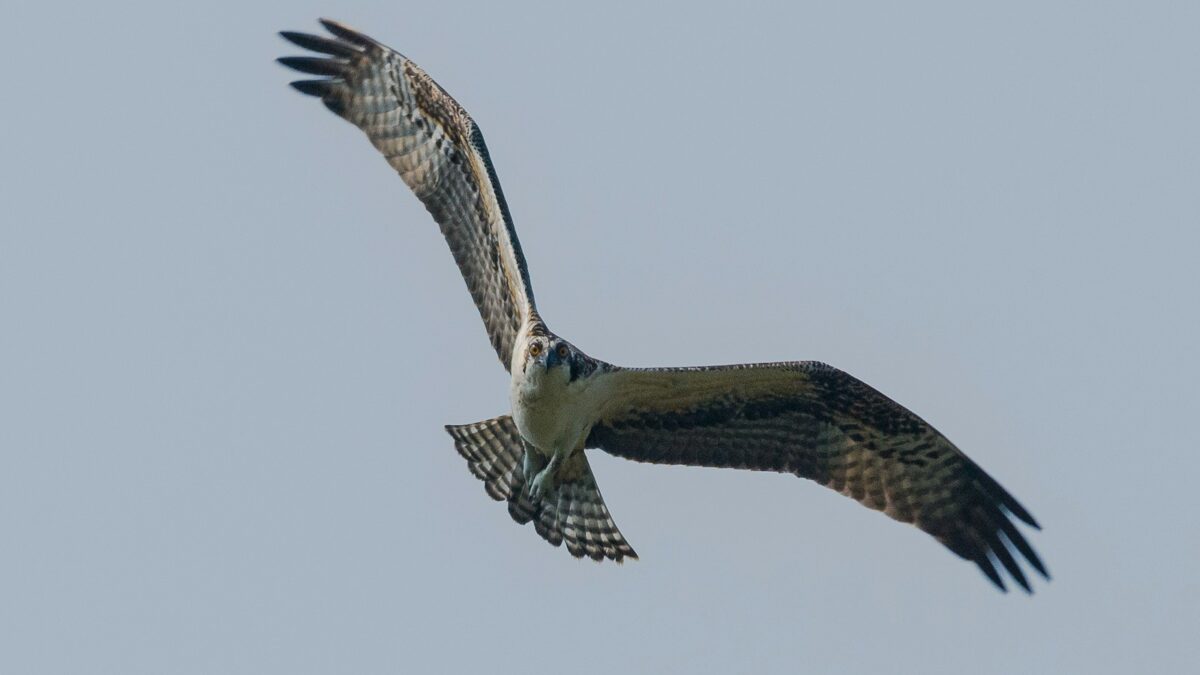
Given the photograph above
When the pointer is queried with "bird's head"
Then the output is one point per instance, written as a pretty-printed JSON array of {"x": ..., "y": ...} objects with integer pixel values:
[{"x": 549, "y": 354}]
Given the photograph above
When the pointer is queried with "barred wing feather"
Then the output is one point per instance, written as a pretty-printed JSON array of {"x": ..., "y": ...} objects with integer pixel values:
[
  {"x": 817, "y": 422},
  {"x": 439, "y": 152}
]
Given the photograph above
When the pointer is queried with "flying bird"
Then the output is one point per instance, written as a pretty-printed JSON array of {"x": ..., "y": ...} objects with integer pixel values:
[{"x": 801, "y": 417}]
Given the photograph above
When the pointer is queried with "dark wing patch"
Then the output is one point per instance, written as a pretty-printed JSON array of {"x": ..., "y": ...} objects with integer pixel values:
[
  {"x": 574, "y": 513},
  {"x": 439, "y": 152},
  {"x": 817, "y": 422}
]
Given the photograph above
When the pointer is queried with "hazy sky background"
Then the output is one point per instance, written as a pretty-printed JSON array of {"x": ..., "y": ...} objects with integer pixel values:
[{"x": 231, "y": 336}]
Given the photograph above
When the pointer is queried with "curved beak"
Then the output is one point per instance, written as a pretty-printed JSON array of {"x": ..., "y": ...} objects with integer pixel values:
[{"x": 552, "y": 359}]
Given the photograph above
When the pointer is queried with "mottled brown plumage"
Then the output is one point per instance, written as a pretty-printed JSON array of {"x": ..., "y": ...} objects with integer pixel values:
[
  {"x": 817, "y": 422},
  {"x": 804, "y": 418},
  {"x": 439, "y": 151}
]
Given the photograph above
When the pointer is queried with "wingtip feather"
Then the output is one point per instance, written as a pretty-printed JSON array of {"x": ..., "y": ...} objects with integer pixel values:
[
  {"x": 319, "y": 44},
  {"x": 346, "y": 33},
  {"x": 1014, "y": 507},
  {"x": 989, "y": 570},
  {"x": 1013, "y": 536},
  {"x": 1001, "y": 552},
  {"x": 316, "y": 88},
  {"x": 312, "y": 65}
]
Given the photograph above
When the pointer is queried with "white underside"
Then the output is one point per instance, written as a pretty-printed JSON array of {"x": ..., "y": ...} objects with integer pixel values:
[{"x": 553, "y": 414}]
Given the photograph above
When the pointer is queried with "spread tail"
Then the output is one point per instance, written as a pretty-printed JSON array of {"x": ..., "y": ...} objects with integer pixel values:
[{"x": 574, "y": 512}]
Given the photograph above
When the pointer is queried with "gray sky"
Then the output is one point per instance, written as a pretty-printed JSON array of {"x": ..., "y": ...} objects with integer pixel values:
[{"x": 231, "y": 336}]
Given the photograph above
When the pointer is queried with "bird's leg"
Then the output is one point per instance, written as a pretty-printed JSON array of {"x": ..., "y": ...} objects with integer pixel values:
[
  {"x": 532, "y": 464},
  {"x": 542, "y": 484}
]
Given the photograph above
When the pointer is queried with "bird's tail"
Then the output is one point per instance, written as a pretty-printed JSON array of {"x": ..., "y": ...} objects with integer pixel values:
[{"x": 573, "y": 512}]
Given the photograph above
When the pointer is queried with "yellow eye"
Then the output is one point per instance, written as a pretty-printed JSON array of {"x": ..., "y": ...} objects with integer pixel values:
[
  {"x": 563, "y": 351},
  {"x": 535, "y": 349}
]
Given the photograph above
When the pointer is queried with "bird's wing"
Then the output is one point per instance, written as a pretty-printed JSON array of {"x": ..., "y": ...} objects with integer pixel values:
[
  {"x": 573, "y": 513},
  {"x": 820, "y": 423},
  {"x": 439, "y": 151}
]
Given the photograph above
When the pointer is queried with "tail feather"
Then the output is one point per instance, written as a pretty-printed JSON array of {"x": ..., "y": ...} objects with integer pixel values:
[
  {"x": 574, "y": 512},
  {"x": 582, "y": 519},
  {"x": 493, "y": 450}
]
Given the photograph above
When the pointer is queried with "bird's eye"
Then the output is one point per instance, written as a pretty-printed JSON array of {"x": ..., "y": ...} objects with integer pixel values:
[
  {"x": 563, "y": 351},
  {"x": 535, "y": 349}
]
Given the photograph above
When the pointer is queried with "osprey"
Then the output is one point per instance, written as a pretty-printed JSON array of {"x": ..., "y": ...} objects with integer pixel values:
[{"x": 800, "y": 417}]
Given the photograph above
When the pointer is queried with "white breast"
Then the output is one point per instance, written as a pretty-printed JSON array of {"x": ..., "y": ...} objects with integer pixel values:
[{"x": 551, "y": 413}]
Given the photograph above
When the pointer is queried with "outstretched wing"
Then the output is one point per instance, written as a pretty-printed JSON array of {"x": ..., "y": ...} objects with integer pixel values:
[
  {"x": 439, "y": 151},
  {"x": 573, "y": 513},
  {"x": 820, "y": 423}
]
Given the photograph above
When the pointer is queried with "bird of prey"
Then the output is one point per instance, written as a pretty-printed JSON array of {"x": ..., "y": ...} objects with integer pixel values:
[{"x": 801, "y": 417}]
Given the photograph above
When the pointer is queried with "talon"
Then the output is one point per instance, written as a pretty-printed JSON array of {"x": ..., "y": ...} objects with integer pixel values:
[
  {"x": 538, "y": 486},
  {"x": 542, "y": 484},
  {"x": 532, "y": 468}
]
